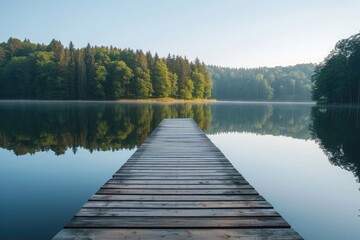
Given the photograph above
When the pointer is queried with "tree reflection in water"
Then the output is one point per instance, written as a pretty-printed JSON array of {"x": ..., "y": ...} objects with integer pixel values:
[
  {"x": 337, "y": 131},
  {"x": 30, "y": 127}
]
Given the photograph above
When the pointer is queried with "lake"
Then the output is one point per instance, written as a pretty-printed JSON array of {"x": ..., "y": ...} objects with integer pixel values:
[{"x": 304, "y": 159}]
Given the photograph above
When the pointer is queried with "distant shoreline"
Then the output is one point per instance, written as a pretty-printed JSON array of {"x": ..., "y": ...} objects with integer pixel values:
[
  {"x": 148, "y": 100},
  {"x": 159, "y": 100},
  {"x": 166, "y": 100}
]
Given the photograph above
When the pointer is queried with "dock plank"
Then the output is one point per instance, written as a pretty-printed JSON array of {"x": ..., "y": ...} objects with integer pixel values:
[
  {"x": 177, "y": 204},
  {"x": 177, "y": 185},
  {"x": 130, "y": 212},
  {"x": 170, "y": 198},
  {"x": 176, "y": 222},
  {"x": 179, "y": 234}
]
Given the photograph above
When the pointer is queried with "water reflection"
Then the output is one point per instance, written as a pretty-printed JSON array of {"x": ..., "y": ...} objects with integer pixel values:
[
  {"x": 33, "y": 127},
  {"x": 264, "y": 119},
  {"x": 337, "y": 131},
  {"x": 93, "y": 130},
  {"x": 29, "y": 127}
]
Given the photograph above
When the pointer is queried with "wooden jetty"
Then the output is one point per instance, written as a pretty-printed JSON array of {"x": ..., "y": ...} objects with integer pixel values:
[{"x": 177, "y": 185}]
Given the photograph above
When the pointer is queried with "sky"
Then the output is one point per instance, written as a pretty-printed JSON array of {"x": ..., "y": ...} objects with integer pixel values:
[{"x": 232, "y": 33}]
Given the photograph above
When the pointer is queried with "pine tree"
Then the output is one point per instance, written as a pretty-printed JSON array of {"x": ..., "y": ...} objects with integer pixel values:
[
  {"x": 199, "y": 84},
  {"x": 89, "y": 60},
  {"x": 173, "y": 78},
  {"x": 143, "y": 86},
  {"x": 161, "y": 80},
  {"x": 80, "y": 80},
  {"x": 71, "y": 68}
]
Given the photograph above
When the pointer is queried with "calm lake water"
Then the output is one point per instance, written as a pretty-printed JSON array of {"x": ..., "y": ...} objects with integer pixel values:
[{"x": 304, "y": 159}]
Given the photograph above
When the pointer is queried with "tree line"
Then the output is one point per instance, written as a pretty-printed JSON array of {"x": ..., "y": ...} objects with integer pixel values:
[
  {"x": 292, "y": 83},
  {"x": 39, "y": 71},
  {"x": 337, "y": 78}
]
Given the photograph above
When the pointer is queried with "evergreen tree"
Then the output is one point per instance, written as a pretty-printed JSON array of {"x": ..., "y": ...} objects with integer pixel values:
[
  {"x": 71, "y": 68},
  {"x": 89, "y": 60},
  {"x": 199, "y": 84},
  {"x": 80, "y": 80},
  {"x": 337, "y": 78},
  {"x": 12, "y": 46},
  {"x": 2, "y": 56},
  {"x": 173, "y": 78},
  {"x": 143, "y": 85},
  {"x": 160, "y": 78}
]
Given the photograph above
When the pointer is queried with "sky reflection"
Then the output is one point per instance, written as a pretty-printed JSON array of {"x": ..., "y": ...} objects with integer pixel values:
[{"x": 315, "y": 197}]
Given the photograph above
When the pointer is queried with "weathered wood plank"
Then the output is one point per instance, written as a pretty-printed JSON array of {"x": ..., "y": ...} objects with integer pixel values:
[
  {"x": 180, "y": 163},
  {"x": 176, "y": 177},
  {"x": 178, "y": 191},
  {"x": 214, "y": 175},
  {"x": 176, "y": 222},
  {"x": 177, "y": 185},
  {"x": 178, "y": 167},
  {"x": 179, "y": 234},
  {"x": 176, "y": 205},
  {"x": 179, "y": 182},
  {"x": 130, "y": 212},
  {"x": 170, "y": 198},
  {"x": 178, "y": 171}
]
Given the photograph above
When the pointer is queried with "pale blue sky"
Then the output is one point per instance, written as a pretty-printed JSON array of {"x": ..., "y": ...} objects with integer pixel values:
[{"x": 234, "y": 33}]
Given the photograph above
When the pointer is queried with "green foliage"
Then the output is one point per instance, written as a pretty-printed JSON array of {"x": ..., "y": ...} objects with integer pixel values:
[
  {"x": 337, "y": 78},
  {"x": 143, "y": 86},
  {"x": 100, "y": 77},
  {"x": 2, "y": 55},
  {"x": 186, "y": 91},
  {"x": 291, "y": 83},
  {"x": 118, "y": 80},
  {"x": 199, "y": 84},
  {"x": 161, "y": 80},
  {"x": 48, "y": 85},
  {"x": 173, "y": 78},
  {"x": 15, "y": 71},
  {"x": 38, "y": 71}
]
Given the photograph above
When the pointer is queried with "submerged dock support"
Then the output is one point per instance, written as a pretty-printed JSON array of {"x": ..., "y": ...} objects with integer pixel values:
[{"x": 177, "y": 185}]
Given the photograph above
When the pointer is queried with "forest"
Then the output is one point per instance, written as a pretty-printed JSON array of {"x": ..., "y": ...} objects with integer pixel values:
[
  {"x": 39, "y": 71},
  {"x": 292, "y": 83},
  {"x": 337, "y": 78}
]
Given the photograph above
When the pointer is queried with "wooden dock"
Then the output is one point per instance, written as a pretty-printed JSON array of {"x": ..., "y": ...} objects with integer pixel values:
[{"x": 177, "y": 185}]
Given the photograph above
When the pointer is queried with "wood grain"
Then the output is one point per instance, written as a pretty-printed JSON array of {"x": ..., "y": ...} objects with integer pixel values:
[{"x": 177, "y": 185}]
